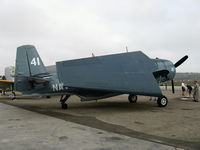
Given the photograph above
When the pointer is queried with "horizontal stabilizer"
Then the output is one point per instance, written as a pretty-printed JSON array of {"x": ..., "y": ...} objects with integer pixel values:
[{"x": 35, "y": 79}]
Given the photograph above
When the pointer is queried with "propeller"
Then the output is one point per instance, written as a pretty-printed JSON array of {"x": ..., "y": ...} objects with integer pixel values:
[
  {"x": 173, "y": 91},
  {"x": 178, "y": 63}
]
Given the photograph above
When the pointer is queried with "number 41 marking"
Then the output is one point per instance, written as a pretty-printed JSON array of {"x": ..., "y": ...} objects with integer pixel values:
[{"x": 35, "y": 61}]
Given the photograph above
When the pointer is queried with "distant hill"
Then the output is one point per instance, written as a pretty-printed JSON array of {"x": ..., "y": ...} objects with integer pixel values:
[{"x": 188, "y": 76}]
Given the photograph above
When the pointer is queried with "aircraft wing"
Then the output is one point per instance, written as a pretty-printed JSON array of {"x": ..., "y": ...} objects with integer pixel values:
[
  {"x": 130, "y": 73},
  {"x": 6, "y": 84}
]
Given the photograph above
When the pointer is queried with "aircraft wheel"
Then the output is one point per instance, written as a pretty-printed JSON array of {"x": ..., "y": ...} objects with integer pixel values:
[
  {"x": 162, "y": 101},
  {"x": 13, "y": 96},
  {"x": 48, "y": 97},
  {"x": 64, "y": 106},
  {"x": 132, "y": 98}
]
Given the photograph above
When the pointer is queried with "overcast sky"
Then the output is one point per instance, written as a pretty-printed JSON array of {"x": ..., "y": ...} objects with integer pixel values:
[{"x": 70, "y": 29}]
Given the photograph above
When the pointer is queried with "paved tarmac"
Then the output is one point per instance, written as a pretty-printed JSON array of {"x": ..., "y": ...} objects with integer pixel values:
[
  {"x": 177, "y": 125},
  {"x": 25, "y": 130}
]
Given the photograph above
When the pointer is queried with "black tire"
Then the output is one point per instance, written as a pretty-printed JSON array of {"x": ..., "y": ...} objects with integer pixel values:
[
  {"x": 162, "y": 101},
  {"x": 13, "y": 96},
  {"x": 64, "y": 106},
  {"x": 132, "y": 98},
  {"x": 48, "y": 97}
]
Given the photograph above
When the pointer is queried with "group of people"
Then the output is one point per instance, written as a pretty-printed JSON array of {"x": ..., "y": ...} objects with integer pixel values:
[{"x": 187, "y": 90}]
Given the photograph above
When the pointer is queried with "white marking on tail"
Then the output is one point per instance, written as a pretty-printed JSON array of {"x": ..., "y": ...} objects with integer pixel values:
[{"x": 35, "y": 61}]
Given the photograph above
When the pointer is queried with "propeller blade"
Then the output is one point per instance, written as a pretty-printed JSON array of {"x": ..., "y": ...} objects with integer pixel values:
[
  {"x": 173, "y": 91},
  {"x": 178, "y": 63}
]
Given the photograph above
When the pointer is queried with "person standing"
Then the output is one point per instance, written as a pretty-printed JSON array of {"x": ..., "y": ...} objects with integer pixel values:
[
  {"x": 196, "y": 91},
  {"x": 189, "y": 90},
  {"x": 183, "y": 88}
]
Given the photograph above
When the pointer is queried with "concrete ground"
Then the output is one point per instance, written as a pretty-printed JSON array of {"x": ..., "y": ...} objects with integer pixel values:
[
  {"x": 177, "y": 125},
  {"x": 25, "y": 130}
]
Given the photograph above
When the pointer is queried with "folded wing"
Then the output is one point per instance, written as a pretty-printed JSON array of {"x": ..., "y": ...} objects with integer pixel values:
[{"x": 122, "y": 73}]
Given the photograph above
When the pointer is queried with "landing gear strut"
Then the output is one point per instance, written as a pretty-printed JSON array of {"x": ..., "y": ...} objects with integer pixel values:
[{"x": 63, "y": 99}]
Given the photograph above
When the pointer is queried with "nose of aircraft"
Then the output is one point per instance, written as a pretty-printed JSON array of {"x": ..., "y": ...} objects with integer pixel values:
[
  {"x": 166, "y": 70},
  {"x": 173, "y": 70}
]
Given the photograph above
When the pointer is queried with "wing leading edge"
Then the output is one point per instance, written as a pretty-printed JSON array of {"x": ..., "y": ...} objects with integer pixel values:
[{"x": 130, "y": 73}]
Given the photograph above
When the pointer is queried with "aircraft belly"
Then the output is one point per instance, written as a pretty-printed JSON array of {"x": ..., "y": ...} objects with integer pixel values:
[{"x": 122, "y": 73}]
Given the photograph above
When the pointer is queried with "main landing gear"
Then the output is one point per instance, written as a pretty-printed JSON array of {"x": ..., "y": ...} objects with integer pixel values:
[
  {"x": 132, "y": 98},
  {"x": 63, "y": 99},
  {"x": 161, "y": 101},
  {"x": 13, "y": 96}
]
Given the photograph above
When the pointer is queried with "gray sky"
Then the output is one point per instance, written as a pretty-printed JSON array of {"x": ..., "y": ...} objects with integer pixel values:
[{"x": 70, "y": 29}]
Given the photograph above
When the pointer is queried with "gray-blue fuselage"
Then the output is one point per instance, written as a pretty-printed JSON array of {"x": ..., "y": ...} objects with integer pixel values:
[{"x": 55, "y": 87}]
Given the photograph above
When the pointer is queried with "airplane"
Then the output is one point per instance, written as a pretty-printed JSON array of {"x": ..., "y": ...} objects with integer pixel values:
[
  {"x": 6, "y": 86},
  {"x": 93, "y": 78}
]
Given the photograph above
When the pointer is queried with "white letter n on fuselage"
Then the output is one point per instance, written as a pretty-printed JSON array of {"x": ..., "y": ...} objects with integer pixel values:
[{"x": 57, "y": 87}]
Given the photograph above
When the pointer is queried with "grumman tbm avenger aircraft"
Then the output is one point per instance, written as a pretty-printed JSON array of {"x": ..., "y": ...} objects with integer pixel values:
[{"x": 94, "y": 78}]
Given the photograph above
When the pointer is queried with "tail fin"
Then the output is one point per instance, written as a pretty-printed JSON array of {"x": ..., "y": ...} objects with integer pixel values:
[
  {"x": 28, "y": 61},
  {"x": 28, "y": 64}
]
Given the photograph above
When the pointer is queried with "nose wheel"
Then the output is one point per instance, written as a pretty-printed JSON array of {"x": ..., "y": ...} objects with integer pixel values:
[{"x": 162, "y": 101}]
